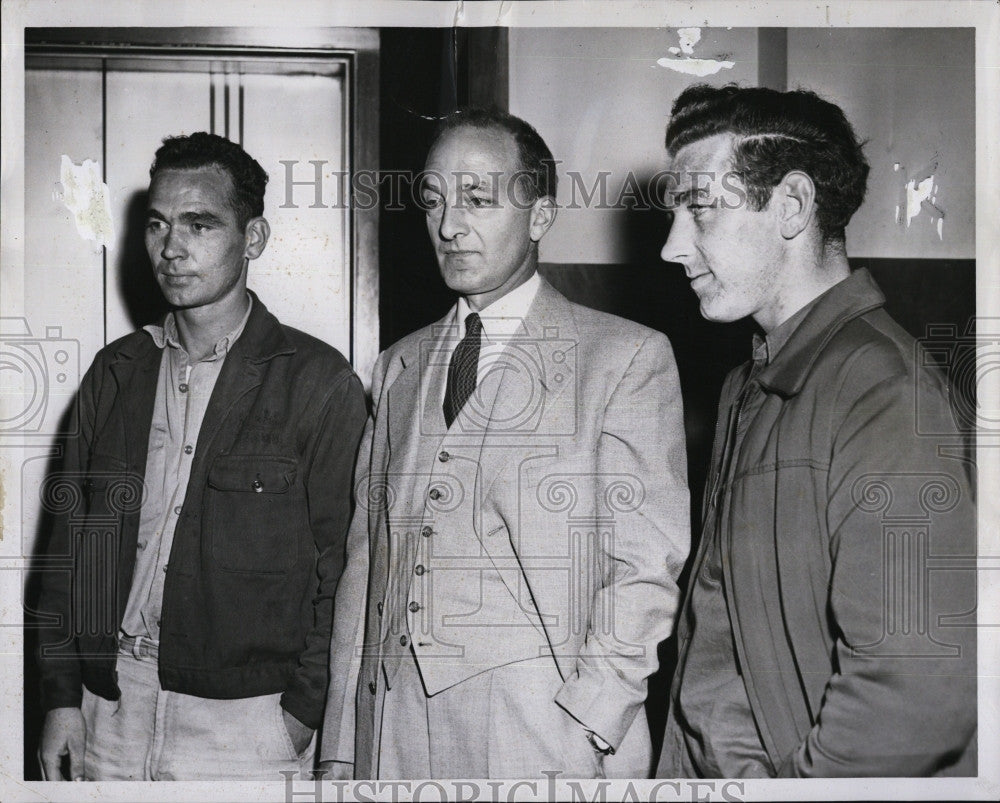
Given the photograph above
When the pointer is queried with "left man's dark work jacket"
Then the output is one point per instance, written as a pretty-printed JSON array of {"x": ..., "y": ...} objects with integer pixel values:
[{"x": 259, "y": 545}]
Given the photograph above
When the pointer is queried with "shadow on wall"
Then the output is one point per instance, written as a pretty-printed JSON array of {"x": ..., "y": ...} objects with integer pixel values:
[{"x": 143, "y": 300}]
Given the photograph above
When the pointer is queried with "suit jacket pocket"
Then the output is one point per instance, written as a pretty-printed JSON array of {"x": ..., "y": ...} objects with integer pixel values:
[{"x": 254, "y": 508}]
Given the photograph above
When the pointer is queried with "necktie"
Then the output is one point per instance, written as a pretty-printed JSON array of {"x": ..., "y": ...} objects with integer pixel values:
[{"x": 462, "y": 369}]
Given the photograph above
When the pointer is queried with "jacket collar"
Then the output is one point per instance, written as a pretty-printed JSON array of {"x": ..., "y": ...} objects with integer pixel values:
[
  {"x": 549, "y": 317},
  {"x": 842, "y": 303},
  {"x": 262, "y": 339},
  {"x": 548, "y": 330}
]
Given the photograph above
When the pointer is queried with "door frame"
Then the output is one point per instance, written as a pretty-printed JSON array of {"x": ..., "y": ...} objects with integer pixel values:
[{"x": 356, "y": 48}]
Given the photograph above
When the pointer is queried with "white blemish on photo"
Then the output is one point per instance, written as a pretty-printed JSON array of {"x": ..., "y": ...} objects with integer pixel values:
[
  {"x": 687, "y": 39},
  {"x": 88, "y": 198}
]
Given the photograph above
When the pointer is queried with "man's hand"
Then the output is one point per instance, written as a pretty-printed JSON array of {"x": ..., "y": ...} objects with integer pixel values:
[
  {"x": 337, "y": 770},
  {"x": 64, "y": 732},
  {"x": 299, "y": 734}
]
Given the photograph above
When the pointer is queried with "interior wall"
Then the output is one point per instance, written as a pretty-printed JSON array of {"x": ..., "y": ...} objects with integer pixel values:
[
  {"x": 600, "y": 97},
  {"x": 910, "y": 93}
]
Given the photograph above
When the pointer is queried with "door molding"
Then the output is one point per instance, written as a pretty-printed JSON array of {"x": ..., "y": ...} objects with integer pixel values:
[{"x": 355, "y": 49}]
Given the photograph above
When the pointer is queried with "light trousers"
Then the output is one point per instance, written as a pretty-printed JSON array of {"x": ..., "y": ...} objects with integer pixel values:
[
  {"x": 155, "y": 735},
  {"x": 502, "y": 723}
]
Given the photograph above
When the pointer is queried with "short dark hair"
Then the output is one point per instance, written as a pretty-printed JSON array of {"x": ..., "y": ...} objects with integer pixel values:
[
  {"x": 533, "y": 154},
  {"x": 202, "y": 149},
  {"x": 777, "y": 132}
]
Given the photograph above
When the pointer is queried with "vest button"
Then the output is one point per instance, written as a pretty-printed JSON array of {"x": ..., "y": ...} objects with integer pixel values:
[
  {"x": 414, "y": 607},
  {"x": 379, "y": 606},
  {"x": 444, "y": 457},
  {"x": 403, "y": 640},
  {"x": 426, "y": 532},
  {"x": 371, "y": 686},
  {"x": 419, "y": 569}
]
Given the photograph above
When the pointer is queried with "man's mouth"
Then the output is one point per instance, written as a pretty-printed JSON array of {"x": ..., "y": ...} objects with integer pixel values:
[
  {"x": 700, "y": 280},
  {"x": 176, "y": 278}
]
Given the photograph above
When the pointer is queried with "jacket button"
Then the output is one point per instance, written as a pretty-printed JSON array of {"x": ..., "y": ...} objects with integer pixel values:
[
  {"x": 371, "y": 686},
  {"x": 419, "y": 569},
  {"x": 444, "y": 457},
  {"x": 414, "y": 607},
  {"x": 379, "y": 606},
  {"x": 426, "y": 532},
  {"x": 434, "y": 493},
  {"x": 183, "y": 387},
  {"x": 403, "y": 640}
]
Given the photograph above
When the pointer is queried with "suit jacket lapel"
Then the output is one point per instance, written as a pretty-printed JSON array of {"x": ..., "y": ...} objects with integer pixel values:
[
  {"x": 416, "y": 421},
  {"x": 539, "y": 365}
]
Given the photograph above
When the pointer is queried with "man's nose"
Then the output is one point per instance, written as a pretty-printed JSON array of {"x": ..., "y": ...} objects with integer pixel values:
[
  {"x": 453, "y": 221},
  {"x": 677, "y": 247},
  {"x": 173, "y": 245}
]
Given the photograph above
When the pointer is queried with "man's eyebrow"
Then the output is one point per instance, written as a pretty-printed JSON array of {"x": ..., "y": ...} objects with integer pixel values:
[
  {"x": 202, "y": 216},
  {"x": 197, "y": 216}
]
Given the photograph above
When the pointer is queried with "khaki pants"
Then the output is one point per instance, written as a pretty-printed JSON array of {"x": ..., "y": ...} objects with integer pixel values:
[
  {"x": 156, "y": 735},
  {"x": 499, "y": 724}
]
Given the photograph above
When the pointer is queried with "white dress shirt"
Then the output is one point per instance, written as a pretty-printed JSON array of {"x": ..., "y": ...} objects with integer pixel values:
[{"x": 501, "y": 320}]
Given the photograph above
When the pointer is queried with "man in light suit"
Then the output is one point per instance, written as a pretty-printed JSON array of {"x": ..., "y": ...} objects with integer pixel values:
[{"x": 522, "y": 506}]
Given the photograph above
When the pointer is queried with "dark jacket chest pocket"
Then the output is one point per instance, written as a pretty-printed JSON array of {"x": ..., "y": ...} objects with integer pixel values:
[{"x": 255, "y": 513}]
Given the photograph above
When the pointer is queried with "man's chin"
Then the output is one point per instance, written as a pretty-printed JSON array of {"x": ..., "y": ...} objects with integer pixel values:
[
  {"x": 716, "y": 313},
  {"x": 461, "y": 281},
  {"x": 178, "y": 300}
]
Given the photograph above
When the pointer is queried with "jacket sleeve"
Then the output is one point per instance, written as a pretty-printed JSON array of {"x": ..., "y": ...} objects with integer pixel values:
[
  {"x": 349, "y": 610},
  {"x": 901, "y": 516},
  {"x": 642, "y": 438},
  {"x": 330, "y": 479},
  {"x": 58, "y": 661}
]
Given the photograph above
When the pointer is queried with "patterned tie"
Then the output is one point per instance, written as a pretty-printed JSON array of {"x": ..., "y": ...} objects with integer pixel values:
[{"x": 462, "y": 369}]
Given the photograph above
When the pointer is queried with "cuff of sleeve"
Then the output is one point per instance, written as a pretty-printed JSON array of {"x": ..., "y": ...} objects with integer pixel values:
[
  {"x": 597, "y": 710},
  {"x": 62, "y": 697}
]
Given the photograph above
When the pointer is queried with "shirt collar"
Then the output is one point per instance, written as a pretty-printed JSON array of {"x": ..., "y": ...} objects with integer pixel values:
[
  {"x": 504, "y": 316},
  {"x": 766, "y": 348},
  {"x": 166, "y": 334}
]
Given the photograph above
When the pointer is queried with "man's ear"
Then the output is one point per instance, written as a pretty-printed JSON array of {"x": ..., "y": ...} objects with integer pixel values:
[
  {"x": 795, "y": 203},
  {"x": 256, "y": 234},
  {"x": 543, "y": 215}
]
